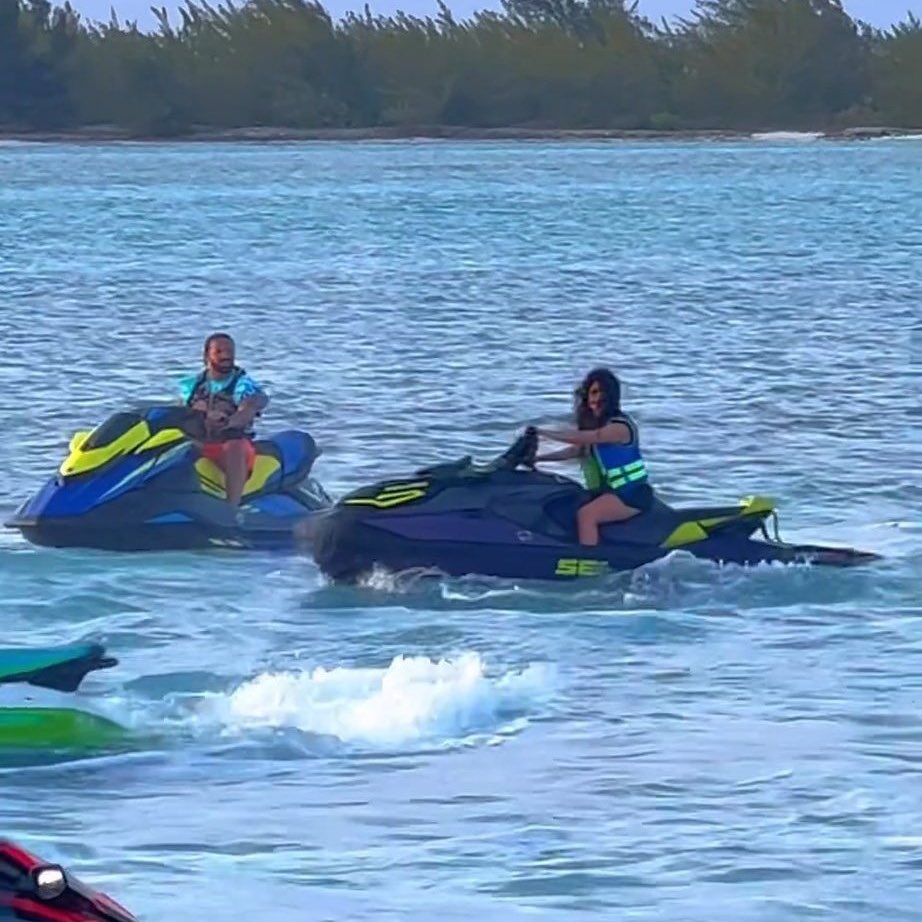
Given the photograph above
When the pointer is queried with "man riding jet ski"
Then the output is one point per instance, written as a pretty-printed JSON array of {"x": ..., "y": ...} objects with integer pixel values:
[
  {"x": 496, "y": 520},
  {"x": 34, "y": 890},
  {"x": 230, "y": 400},
  {"x": 179, "y": 477}
]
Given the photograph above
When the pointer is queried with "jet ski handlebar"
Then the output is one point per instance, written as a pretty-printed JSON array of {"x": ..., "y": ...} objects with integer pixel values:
[
  {"x": 192, "y": 422},
  {"x": 522, "y": 452}
]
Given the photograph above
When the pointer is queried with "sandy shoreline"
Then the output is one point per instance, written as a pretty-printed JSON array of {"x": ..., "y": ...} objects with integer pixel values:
[{"x": 451, "y": 133}]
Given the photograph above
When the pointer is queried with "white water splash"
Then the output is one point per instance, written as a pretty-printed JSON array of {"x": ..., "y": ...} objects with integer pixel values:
[
  {"x": 914, "y": 136},
  {"x": 383, "y": 580},
  {"x": 788, "y": 136},
  {"x": 414, "y": 699}
]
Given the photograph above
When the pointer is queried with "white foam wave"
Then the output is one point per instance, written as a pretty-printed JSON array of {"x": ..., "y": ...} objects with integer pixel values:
[
  {"x": 413, "y": 700},
  {"x": 384, "y": 580},
  {"x": 787, "y": 136},
  {"x": 914, "y": 136}
]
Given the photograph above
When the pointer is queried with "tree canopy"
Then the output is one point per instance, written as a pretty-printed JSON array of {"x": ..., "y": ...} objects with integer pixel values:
[{"x": 732, "y": 64}]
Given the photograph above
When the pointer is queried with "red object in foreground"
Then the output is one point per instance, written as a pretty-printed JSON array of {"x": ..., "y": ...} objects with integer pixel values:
[{"x": 36, "y": 891}]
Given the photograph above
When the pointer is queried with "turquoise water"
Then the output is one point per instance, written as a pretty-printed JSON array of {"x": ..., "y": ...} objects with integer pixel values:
[{"x": 686, "y": 742}]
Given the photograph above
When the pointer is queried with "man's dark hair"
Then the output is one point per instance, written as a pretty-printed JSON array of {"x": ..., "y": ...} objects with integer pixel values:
[{"x": 213, "y": 338}]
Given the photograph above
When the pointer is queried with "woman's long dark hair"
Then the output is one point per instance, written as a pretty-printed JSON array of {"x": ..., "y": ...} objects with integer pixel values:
[{"x": 611, "y": 398}]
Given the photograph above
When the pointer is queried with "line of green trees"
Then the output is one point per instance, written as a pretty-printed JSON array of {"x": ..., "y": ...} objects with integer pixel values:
[{"x": 733, "y": 64}]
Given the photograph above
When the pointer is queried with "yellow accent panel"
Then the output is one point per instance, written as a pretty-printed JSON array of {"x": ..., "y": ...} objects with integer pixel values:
[
  {"x": 709, "y": 523},
  {"x": 163, "y": 437},
  {"x": 396, "y": 494},
  {"x": 79, "y": 461},
  {"x": 212, "y": 477},
  {"x": 77, "y": 439},
  {"x": 753, "y": 505},
  {"x": 573, "y": 566},
  {"x": 690, "y": 532},
  {"x": 686, "y": 533},
  {"x": 750, "y": 505}
]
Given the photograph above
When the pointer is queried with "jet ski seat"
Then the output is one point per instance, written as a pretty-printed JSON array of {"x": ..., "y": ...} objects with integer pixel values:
[{"x": 287, "y": 456}]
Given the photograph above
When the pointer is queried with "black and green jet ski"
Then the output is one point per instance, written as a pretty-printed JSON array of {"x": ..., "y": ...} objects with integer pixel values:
[
  {"x": 139, "y": 482},
  {"x": 459, "y": 518},
  {"x": 60, "y": 669}
]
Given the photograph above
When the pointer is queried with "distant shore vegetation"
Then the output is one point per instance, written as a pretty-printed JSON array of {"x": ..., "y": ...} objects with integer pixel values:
[{"x": 742, "y": 65}]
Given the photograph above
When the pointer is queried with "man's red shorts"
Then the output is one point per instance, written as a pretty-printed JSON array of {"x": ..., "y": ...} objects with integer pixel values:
[{"x": 214, "y": 451}]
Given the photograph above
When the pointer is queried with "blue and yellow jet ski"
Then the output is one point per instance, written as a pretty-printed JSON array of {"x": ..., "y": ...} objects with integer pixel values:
[
  {"x": 59, "y": 669},
  {"x": 459, "y": 518},
  {"x": 138, "y": 482}
]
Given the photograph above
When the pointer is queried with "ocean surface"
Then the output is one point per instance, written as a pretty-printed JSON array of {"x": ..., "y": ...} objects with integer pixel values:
[{"x": 687, "y": 742}]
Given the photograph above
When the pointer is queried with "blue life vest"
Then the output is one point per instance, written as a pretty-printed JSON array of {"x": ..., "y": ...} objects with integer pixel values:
[
  {"x": 220, "y": 399},
  {"x": 201, "y": 390},
  {"x": 615, "y": 465}
]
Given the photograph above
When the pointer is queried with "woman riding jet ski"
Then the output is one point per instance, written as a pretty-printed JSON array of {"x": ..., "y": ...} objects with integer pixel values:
[
  {"x": 34, "y": 890},
  {"x": 608, "y": 444},
  {"x": 496, "y": 520}
]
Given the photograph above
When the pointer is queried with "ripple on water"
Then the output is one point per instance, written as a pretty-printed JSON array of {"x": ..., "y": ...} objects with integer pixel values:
[{"x": 685, "y": 742}]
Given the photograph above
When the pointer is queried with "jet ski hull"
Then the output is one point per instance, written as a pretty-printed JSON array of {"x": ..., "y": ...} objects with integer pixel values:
[
  {"x": 138, "y": 482},
  {"x": 60, "y": 669},
  {"x": 39, "y": 891},
  {"x": 58, "y": 728},
  {"x": 198, "y": 522},
  {"x": 347, "y": 552},
  {"x": 459, "y": 519}
]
